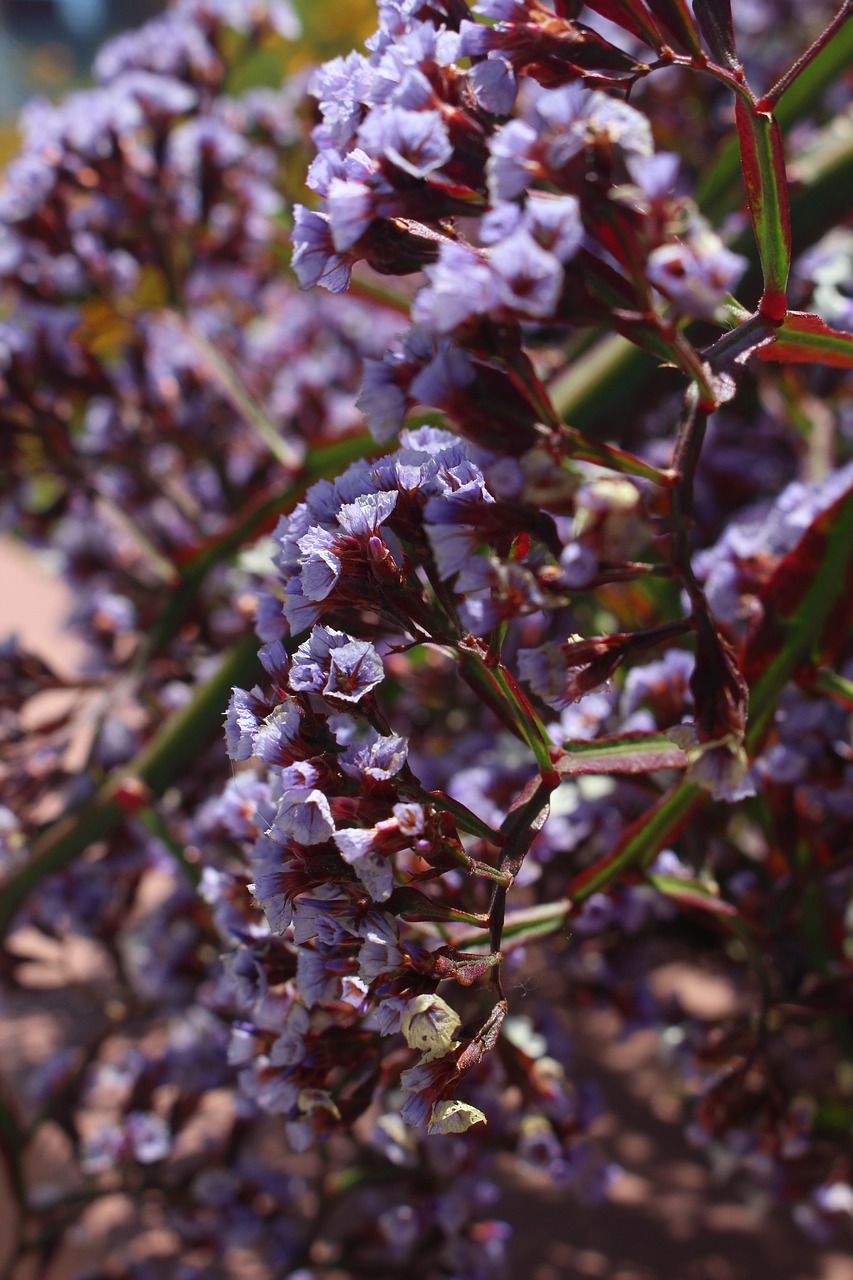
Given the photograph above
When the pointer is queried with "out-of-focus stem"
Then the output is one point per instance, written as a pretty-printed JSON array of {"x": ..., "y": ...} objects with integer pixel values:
[
  {"x": 158, "y": 766},
  {"x": 769, "y": 100},
  {"x": 258, "y": 515},
  {"x": 227, "y": 379}
]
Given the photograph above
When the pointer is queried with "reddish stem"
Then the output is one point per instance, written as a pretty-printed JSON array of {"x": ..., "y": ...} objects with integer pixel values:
[{"x": 770, "y": 99}]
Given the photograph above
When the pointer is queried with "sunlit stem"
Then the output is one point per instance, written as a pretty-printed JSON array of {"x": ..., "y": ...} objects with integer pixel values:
[{"x": 769, "y": 100}]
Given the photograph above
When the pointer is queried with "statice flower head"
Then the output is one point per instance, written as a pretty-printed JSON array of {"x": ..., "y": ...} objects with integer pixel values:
[
  {"x": 697, "y": 274},
  {"x": 333, "y": 663}
]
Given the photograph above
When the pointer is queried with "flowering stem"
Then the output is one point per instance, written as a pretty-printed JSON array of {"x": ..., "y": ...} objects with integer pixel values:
[
  {"x": 730, "y": 352},
  {"x": 520, "y": 827},
  {"x": 769, "y": 100},
  {"x": 571, "y": 443},
  {"x": 521, "y": 927},
  {"x": 256, "y": 516},
  {"x": 532, "y": 729},
  {"x": 157, "y": 767},
  {"x": 718, "y": 189},
  {"x": 465, "y": 819},
  {"x": 481, "y": 678},
  {"x": 641, "y": 842},
  {"x": 685, "y": 459}
]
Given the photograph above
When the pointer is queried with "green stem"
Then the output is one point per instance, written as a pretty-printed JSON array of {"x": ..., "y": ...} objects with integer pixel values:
[
  {"x": 523, "y": 714},
  {"x": 153, "y": 822},
  {"x": 641, "y": 842},
  {"x": 224, "y": 376},
  {"x": 768, "y": 102},
  {"x": 571, "y": 443},
  {"x": 257, "y": 516},
  {"x": 719, "y": 191},
  {"x": 465, "y": 819},
  {"x": 835, "y": 686}
]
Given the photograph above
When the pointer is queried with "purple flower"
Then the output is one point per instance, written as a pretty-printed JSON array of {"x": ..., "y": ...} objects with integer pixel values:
[
  {"x": 374, "y": 871},
  {"x": 555, "y": 223},
  {"x": 415, "y": 141},
  {"x": 363, "y": 517},
  {"x": 315, "y": 259},
  {"x": 382, "y": 400},
  {"x": 274, "y": 738},
  {"x": 572, "y": 117},
  {"x": 461, "y": 284},
  {"x": 512, "y": 165},
  {"x": 529, "y": 279},
  {"x": 321, "y": 565},
  {"x": 351, "y": 209},
  {"x": 242, "y": 721},
  {"x": 578, "y": 565},
  {"x": 303, "y": 815},
  {"x": 270, "y": 623},
  {"x": 332, "y": 663},
  {"x": 696, "y": 276},
  {"x": 494, "y": 84},
  {"x": 379, "y": 758},
  {"x": 341, "y": 87},
  {"x": 354, "y": 670}
]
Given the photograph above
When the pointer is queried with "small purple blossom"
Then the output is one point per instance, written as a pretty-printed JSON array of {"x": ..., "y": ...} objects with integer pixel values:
[{"x": 332, "y": 663}]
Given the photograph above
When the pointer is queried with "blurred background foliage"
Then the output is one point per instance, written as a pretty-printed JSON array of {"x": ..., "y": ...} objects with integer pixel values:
[{"x": 47, "y": 46}]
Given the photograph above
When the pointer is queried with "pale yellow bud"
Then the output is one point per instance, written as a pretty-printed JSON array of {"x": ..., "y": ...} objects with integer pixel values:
[
  {"x": 453, "y": 1117},
  {"x": 429, "y": 1024}
]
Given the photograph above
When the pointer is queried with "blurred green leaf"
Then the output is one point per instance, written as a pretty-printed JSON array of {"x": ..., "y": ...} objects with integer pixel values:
[{"x": 799, "y": 604}]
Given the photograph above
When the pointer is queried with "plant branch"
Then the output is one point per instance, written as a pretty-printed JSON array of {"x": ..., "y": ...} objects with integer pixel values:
[
  {"x": 770, "y": 99},
  {"x": 157, "y": 767}
]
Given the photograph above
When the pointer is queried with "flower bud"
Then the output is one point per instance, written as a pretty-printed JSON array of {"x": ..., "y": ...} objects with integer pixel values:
[
  {"x": 450, "y": 1116},
  {"x": 429, "y": 1024}
]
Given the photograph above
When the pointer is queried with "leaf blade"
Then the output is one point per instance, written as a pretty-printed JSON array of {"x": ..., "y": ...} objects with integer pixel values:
[
  {"x": 806, "y": 338},
  {"x": 622, "y": 753},
  {"x": 763, "y": 164},
  {"x": 799, "y": 603},
  {"x": 640, "y": 842}
]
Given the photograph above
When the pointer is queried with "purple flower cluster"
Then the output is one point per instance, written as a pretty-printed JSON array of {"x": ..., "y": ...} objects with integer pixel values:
[
  {"x": 573, "y": 207},
  {"x": 555, "y": 695}
]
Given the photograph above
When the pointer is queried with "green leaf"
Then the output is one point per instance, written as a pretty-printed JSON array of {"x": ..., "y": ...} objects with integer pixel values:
[
  {"x": 227, "y": 379},
  {"x": 763, "y": 164},
  {"x": 630, "y": 15},
  {"x": 521, "y": 927},
  {"x": 835, "y": 687},
  {"x": 799, "y": 606},
  {"x": 805, "y": 338},
  {"x": 574, "y": 444},
  {"x": 624, "y": 753},
  {"x": 693, "y": 893},
  {"x": 718, "y": 187}
]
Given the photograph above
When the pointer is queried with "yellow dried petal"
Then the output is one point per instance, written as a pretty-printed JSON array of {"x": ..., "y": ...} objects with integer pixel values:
[
  {"x": 453, "y": 1117},
  {"x": 429, "y": 1024}
]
